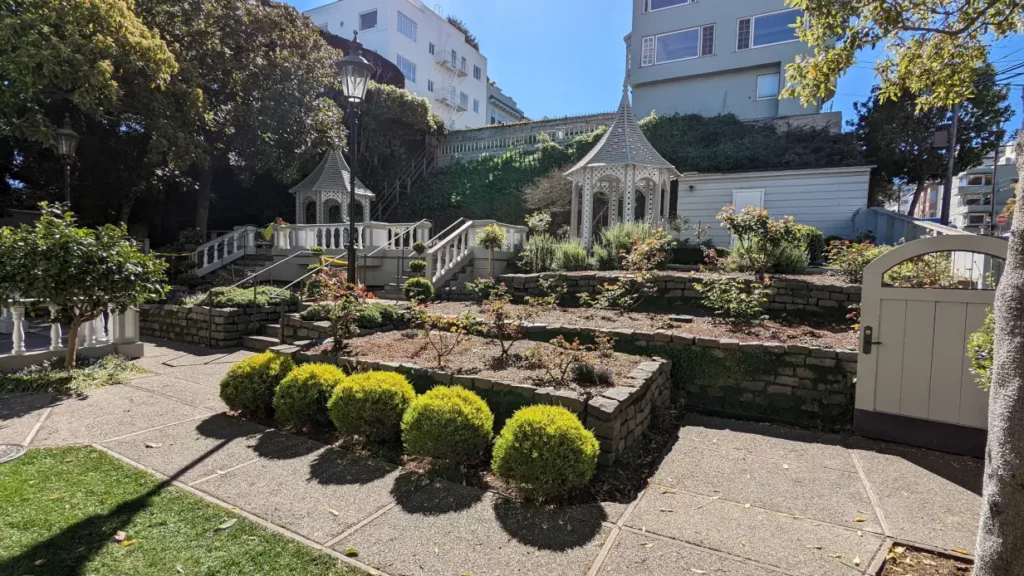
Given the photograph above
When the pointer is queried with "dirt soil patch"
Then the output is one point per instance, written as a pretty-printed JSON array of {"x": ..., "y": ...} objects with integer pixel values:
[
  {"x": 821, "y": 278},
  {"x": 822, "y": 334},
  {"x": 477, "y": 356},
  {"x": 906, "y": 561}
]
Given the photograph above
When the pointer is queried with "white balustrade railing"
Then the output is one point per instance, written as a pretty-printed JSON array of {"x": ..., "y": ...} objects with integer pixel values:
[
  {"x": 225, "y": 249},
  {"x": 110, "y": 327},
  {"x": 335, "y": 236},
  {"x": 450, "y": 253}
]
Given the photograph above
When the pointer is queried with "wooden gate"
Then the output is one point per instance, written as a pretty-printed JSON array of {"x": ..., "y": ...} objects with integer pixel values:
[{"x": 914, "y": 383}]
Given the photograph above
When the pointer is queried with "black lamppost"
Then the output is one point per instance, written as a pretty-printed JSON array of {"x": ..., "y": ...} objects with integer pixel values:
[
  {"x": 66, "y": 144},
  {"x": 355, "y": 77}
]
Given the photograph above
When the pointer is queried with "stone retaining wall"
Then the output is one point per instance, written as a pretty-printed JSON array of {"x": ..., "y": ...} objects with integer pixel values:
[
  {"x": 193, "y": 325},
  {"x": 618, "y": 417},
  {"x": 794, "y": 384},
  {"x": 788, "y": 294}
]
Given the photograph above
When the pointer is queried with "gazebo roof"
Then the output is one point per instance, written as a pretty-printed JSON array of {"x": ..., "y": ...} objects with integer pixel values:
[
  {"x": 623, "y": 144},
  {"x": 331, "y": 175}
]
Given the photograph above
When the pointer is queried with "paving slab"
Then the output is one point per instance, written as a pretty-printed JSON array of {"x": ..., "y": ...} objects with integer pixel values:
[
  {"x": 819, "y": 493},
  {"x": 927, "y": 497},
  {"x": 198, "y": 449},
  {"x": 634, "y": 555},
  {"x": 796, "y": 545},
  {"x": 319, "y": 495},
  {"x": 208, "y": 375},
  {"x": 446, "y": 528},
  {"x": 767, "y": 441},
  {"x": 187, "y": 392},
  {"x": 19, "y": 414},
  {"x": 107, "y": 413}
]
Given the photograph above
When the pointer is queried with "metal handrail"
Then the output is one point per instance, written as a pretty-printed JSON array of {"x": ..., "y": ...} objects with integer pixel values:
[
  {"x": 251, "y": 276},
  {"x": 383, "y": 246}
]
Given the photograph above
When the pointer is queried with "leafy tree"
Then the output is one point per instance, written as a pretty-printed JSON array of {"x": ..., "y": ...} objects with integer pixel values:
[
  {"x": 82, "y": 271},
  {"x": 94, "y": 54},
  {"x": 492, "y": 237},
  {"x": 934, "y": 50},
  {"x": 897, "y": 137},
  {"x": 260, "y": 73}
]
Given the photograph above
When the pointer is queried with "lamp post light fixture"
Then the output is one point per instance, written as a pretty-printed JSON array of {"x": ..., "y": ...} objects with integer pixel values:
[
  {"x": 355, "y": 78},
  {"x": 66, "y": 144}
]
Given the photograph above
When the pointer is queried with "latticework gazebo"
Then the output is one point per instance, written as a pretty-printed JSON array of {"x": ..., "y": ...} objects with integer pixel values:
[
  {"x": 623, "y": 161},
  {"x": 322, "y": 198}
]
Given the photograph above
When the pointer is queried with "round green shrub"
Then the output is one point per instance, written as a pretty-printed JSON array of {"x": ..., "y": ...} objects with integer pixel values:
[
  {"x": 250, "y": 385},
  {"x": 447, "y": 423},
  {"x": 301, "y": 398},
  {"x": 318, "y": 312},
  {"x": 814, "y": 240},
  {"x": 371, "y": 404},
  {"x": 388, "y": 313},
  {"x": 417, "y": 266},
  {"x": 418, "y": 290},
  {"x": 369, "y": 317},
  {"x": 420, "y": 248},
  {"x": 545, "y": 451}
]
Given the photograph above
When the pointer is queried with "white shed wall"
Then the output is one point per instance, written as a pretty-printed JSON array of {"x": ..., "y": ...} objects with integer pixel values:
[{"x": 824, "y": 198}]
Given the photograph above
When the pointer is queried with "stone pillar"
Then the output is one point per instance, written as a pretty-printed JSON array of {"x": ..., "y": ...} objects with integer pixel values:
[
  {"x": 574, "y": 211},
  {"x": 629, "y": 198},
  {"x": 586, "y": 226},
  {"x": 18, "y": 333},
  {"x": 55, "y": 334}
]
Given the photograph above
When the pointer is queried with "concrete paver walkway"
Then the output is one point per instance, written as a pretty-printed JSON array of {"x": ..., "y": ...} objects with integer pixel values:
[{"x": 730, "y": 498}]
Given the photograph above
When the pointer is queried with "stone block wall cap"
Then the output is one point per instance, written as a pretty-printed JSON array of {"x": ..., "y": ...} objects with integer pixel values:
[
  {"x": 618, "y": 394},
  {"x": 729, "y": 344},
  {"x": 848, "y": 355},
  {"x": 774, "y": 348},
  {"x": 602, "y": 407},
  {"x": 823, "y": 353},
  {"x": 683, "y": 338},
  {"x": 797, "y": 349}
]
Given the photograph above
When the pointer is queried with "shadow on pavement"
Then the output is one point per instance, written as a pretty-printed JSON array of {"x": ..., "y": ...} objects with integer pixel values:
[
  {"x": 434, "y": 498},
  {"x": 542, "y": 527},
  {"x": 335, "y": 466}
]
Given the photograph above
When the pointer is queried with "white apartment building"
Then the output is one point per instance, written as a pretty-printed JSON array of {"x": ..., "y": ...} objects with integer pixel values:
[
  {"x": 433, "y": 55},
  {"x": 980, "y": 194}
]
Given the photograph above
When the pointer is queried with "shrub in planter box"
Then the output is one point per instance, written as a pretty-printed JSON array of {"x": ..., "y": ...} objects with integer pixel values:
[
  {"x": 376, "y": 315},
  {"x": 545, "y": 451},
  {"x": 250, "y": 385},
  {"x": 447, "y": 423},
  {"x": 371, "y": 404},
  {"x": 301, "y": 398}
]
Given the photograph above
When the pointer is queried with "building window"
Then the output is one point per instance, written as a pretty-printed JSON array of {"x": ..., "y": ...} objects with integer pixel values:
[
  {"x": 976, "y": 219},
  {"x": 476, "y": 105},
  {"x": 493, "y": 121},
  {"x": 768, "y": 87},
  {"x": 977, "y": 180},
  {"x": 451, "y": 94},
  {"x": 430, "y": 48},
  {"x": 407, "y": 26},
  {"x": 462, "y": 64},
  {"x": 407, "y": 68},
  {"x": 454, "y": 59},
  {"x": 477, "y": 72},
  {"x": 430, "y": 85},
  {"x": 652, "y": 5},
  {"x": 767, "y": 29},
  {"x": 463, "y": 99},
  {"x": 368, "y": 20},
  {"x": 679, "y": 45}
]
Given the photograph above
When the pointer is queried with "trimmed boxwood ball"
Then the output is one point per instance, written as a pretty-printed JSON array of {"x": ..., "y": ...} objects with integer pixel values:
[
  {"x": 250, "y": 385},
  {"x": 371, "y": 404},
  {"x": 301, "y": 398},
  {"x": 418, "y": 290},
  {"x": 447, "y": 423},
  {"x": 545, "y": 451}
]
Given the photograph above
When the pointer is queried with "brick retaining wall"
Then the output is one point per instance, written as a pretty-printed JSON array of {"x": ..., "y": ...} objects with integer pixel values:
[
  {"x": 787, "y": 294},
  {"x": 192, "y": 324}
]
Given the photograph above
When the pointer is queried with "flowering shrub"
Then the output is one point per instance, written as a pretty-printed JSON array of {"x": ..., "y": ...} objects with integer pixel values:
[
  {"x": 504, "y": 324},
  {"x": 761, "y": 243},
  {"x": 848, "y": 260},
  {"x": 731, "y": 300}
]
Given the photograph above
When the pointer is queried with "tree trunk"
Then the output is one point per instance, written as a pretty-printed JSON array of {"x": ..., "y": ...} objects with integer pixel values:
[
  {"x": 917, "y": 198},
  {"x": 490, "y": 262},
  {"x": 203, "y": 197},
  {"x": 126, "y": 211},
  {"x": 71, "y": 356},
  {"x": 1001, "y": 533}
]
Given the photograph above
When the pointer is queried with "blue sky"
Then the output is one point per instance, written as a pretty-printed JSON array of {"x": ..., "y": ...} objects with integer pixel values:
[{"x": 567, "y": 57}]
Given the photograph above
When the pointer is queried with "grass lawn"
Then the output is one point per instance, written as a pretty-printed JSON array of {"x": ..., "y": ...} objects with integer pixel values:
[{"x": 61, "y": 508}]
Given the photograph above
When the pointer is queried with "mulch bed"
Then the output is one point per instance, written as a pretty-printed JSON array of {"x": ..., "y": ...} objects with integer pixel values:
[
  {"x": 820, "y": 278},
  {"x": 476, "y": 356},
  {"x": 823, "y": 334},
  {"x": 906, "y": 561}
]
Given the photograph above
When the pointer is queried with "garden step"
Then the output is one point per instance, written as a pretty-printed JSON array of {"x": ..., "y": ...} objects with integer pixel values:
[
  {"x": 259, "y": 343},
  {"x": 272, "y": 330}
]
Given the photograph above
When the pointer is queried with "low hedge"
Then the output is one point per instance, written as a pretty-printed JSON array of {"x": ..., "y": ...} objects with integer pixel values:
[
  {"x": 545, "y": 451},
  {"x": 251, "y": 384},
  {"x": 447, "y": 423},
  {"x": 241, "y": 297},
  {"x": 371, "y": 404},
  {"x": 301, "y": 398}
]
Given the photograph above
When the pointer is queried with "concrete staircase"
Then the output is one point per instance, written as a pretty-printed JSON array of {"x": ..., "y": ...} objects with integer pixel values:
[{"x": 271, "y": 336}]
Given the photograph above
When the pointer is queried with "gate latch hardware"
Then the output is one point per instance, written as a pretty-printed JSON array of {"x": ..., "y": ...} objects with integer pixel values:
[{"x": 869, "y": 340}]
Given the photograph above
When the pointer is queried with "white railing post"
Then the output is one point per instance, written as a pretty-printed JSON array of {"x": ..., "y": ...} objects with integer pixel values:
[
  {"x": 55, "y": 333},
  {"x": 100, "y": 330},
  {"x": 18, "y": 335},
  {"x": 125, "y": 326},
  {"x": 6, "y": 321}
]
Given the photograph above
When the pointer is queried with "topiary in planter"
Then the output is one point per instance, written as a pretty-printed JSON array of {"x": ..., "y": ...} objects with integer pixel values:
[
  {"x": 420, "y": 248},
  {"x": 418, "y": 290},
  {"x": 301, "y": 398},
  {"x": 250, "y": 385},
  {"x": 545, "y": 451},
  {"x": 371, "y": 404},
  {"x": 417, "y": 266},
  {"x": 447, "y": 423}
]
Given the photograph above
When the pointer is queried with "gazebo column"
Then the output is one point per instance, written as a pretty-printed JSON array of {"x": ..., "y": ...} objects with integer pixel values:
[
  {"x": 613, "y": 205},
  {"x": 366, "y": 208},
  {"x": 587, "y": 224},
  {"x": 653, "y": 202},
  {"x": 574, "y": 211},
  {"x": 629, "y": 198}
]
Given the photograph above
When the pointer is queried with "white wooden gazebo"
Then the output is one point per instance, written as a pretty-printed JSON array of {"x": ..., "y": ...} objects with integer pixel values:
[
  {"x": 623, "y": 161},
  {"x": 322, "y": 198}
]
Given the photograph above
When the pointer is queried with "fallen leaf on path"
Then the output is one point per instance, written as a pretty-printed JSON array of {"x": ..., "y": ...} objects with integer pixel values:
[
  {"x": 154, "y": 445},
  {"x": 351, "y": 552},
  {"x": 836, "y": 555},
  {"x": 746, "y": 505},
  {"x": 227, "y": 524},
  {"x": 858, "y": 519},
  {"x": 697, "y": 571},
  {"x": 785, "y": 466},
  {"x": 665, "y": 510},
  {"x": 334, "y": 512},
  {"x": 56, "y": 495},
  {"x": 814, "y": 546},
  {"x": 856, "y": 561},
  {"x": 180, "y": 570},
  {"x": 648, "y": 545},
  {"x": 667, "y": 491},
  {"x": 960, "y": 551},
  {"x": 128, "y": 543},
  {"x": 899, "y": 549}
]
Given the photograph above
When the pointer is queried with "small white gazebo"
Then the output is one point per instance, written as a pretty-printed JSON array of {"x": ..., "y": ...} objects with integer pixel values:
[
  {"x": 322, "y": 198},
  {"x": 622, "y": 161}
]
